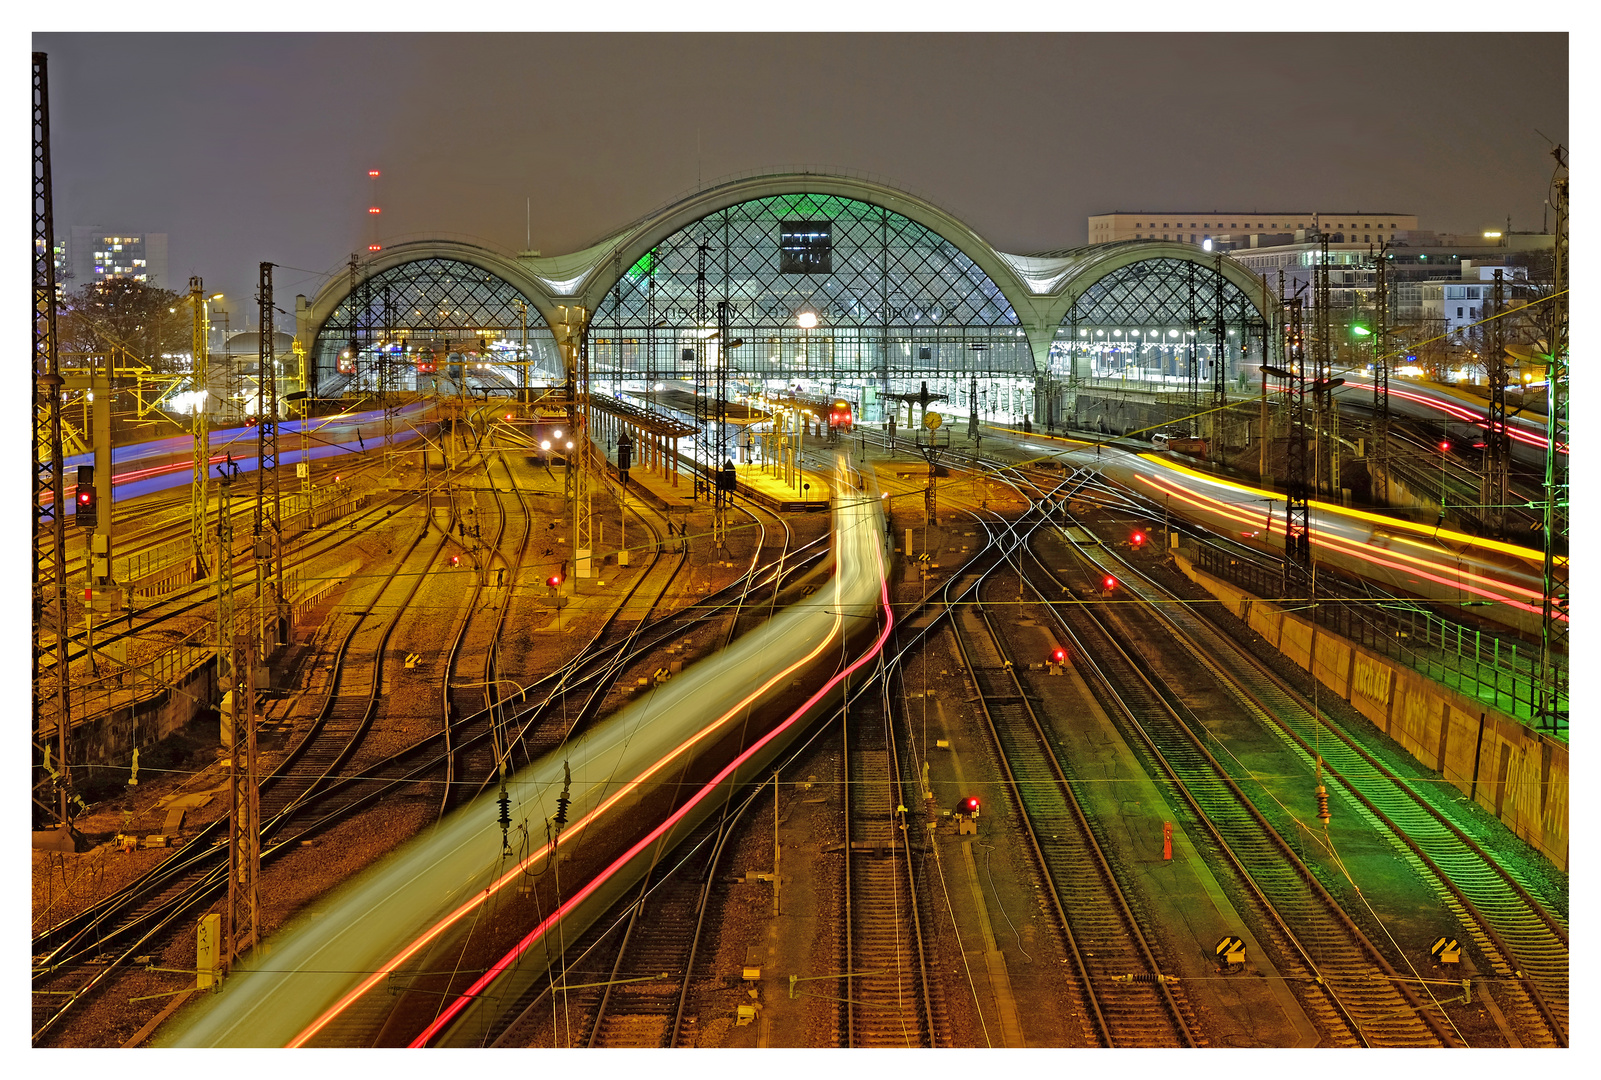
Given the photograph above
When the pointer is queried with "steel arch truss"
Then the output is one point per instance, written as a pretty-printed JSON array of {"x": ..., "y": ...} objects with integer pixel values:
[
  {"x": 892, "y": 298},
  {"x": 438, "y": 302}
]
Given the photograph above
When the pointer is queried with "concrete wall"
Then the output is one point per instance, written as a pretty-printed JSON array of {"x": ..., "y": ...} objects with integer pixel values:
[
  {"x": 1513, "y": 771},
  {"x": 1119, "y": 415},
  {"x": 109, "y": 738}
]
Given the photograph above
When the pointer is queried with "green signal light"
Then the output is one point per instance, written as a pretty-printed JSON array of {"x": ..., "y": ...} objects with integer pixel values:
[{"x": 1361, "y": 331}]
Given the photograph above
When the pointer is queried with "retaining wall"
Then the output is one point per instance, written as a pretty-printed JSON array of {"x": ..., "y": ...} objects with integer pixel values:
[{"x": 1518, "y": 774}]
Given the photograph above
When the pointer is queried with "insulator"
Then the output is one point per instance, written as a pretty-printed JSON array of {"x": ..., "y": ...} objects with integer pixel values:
[
  {"x": 505, "y": 810},
  {"x": 561, "y": 809},
  {"x": 1323, "y": 804}
]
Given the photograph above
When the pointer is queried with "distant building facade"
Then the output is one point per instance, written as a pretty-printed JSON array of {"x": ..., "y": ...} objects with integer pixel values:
[
  {"x": 1197, "y": 227},
  {"x": 99, "y": 254}
]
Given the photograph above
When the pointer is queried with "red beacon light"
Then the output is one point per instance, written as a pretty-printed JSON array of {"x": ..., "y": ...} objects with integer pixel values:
[
  {"x": 969, "y": 806},
  {"x": 1445, "y": 447},
  {"x": 1058, "y": 655},
  {"x": 1109, "y": 583},
  {"x": 554, "y": 581},
  {"x": 455, "y": 560},
  {"x": 1137, "y": 539}
]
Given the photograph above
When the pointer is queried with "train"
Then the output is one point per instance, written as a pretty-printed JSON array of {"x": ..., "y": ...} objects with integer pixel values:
[
  {"x": 585, "y": 824},
  {"x": 837, "y": 412},
  {"x": 160, "y": 464}
]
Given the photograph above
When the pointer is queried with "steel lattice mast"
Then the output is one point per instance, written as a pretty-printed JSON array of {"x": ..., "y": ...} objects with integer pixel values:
[
  {"x": 572, "y": 336},
  {"x": 1297, "y": 538},
  {"x": 1323, "y": 413},
  {"x": 268, "y": 532},
  {"x": 1497, "y": 444},
  {"x": 1554, "y": 606},
  {"x": 1379, "y": 452},
  {"x": 199, "y": 493},
  {"x": 49, "y": 494}
]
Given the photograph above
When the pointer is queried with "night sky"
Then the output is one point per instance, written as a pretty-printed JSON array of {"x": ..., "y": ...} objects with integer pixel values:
[{"x": 245, "y": 148}]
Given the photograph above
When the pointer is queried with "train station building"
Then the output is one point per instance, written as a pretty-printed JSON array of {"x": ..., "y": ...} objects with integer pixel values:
[{"x": 836, "y": 285}]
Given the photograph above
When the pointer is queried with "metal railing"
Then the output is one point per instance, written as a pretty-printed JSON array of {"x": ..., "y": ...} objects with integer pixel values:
[{"x": 1482, "y": 666}]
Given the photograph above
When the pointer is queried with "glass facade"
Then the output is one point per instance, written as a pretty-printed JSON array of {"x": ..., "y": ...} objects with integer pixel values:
[
  {"x": 830, "y": 293},
  {"x": 1145, "y": 320},
  {"x": 453, "y": 310}
]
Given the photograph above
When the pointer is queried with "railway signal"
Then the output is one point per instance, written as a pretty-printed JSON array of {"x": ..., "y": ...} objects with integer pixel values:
[
  {"x": 86, "y": 509},
  {"x": 1058, "y": 655},
  {"x": 455, "y": 560},
  {"x": 1108, "y": 583},
  {"x": 1138, "y": 538},
  {"x": 968, "y": 806}
]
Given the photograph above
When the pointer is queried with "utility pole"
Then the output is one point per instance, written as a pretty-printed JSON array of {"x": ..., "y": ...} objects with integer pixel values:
[
  {"x": 1497, "y": 444},
  {"x": 1192, "y": 395},
  {"x": 243, "y": 928},
  {"x": 571, "y": 330},
  {"x": 198, "y": 487},
  {"x": 225, "y": 583},
  {"x": 722, "y": 465},
  {"x": 705, "y": 412},
  {"x": 1220, "y": 352},
  {"x": 49, "y": 494}
]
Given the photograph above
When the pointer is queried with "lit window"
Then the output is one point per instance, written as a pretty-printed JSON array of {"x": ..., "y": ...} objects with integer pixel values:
[{"x": 805, "y": 247}]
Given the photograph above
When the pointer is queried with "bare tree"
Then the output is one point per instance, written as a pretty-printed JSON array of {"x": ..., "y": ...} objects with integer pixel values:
[{"x": 151, "y": 325}]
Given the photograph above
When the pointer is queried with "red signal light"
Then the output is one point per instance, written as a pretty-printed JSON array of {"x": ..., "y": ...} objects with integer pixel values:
[
  {"x": 1109, "y": 583},
  {"x": 455, "y": 560},
  {"x": 1445, "y": 447},
  {"x": 553, "y": 581},
  {"x": 1058, "y": 656},
  {"x": 1137, "y": 539},
  {"x": 969, "y": 806},
  {"x": 508, "y": 416},
  {"x": 85, "y": 497}
]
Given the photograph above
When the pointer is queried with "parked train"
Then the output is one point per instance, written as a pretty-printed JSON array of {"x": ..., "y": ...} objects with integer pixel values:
[{"x": 839, "y": 413}]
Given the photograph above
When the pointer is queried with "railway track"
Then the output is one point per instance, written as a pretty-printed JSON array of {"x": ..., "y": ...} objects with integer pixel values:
[
  {"x": 1524, "y": 944},
  {"x": 1133, "y": 1001},
  {"x": 888, "y": 998},
  {"x": 1346, "y": 984},
  {"x": 76, "y": 957}
]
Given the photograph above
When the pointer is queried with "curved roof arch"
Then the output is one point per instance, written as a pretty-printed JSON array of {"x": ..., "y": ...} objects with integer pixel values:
[
  {"x": 512, "y": 270},
  {"x": 627, "y": 247},
  {"x": 1081, "y": 268}
]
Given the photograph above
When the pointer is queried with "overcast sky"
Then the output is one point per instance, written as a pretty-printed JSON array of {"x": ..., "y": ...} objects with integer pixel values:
[{"x": 247, "y": 148}]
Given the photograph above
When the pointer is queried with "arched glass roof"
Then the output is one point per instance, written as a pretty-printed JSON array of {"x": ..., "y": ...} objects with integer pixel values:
[
  {"x": 436, "y": 300},
  {"x": 888, "y": 294}
]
